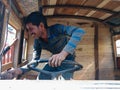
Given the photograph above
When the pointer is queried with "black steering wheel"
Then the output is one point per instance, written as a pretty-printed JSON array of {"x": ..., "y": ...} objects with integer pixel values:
[{"x": 33, "y": 66}]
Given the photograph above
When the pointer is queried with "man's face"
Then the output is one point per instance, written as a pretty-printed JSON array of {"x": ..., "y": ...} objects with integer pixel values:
[{"x": 33, "y": 30}]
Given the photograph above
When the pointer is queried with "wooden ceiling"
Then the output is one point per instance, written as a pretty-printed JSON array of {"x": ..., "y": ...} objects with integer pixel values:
[{"x": 76, "y": 11}]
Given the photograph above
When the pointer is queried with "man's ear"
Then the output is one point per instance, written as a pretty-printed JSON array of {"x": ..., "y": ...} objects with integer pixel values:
[{"x": 41, "y": 25}]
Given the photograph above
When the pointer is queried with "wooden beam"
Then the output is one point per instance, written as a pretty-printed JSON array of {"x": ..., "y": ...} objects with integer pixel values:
[
  {"x": 51, "y": 11},
  {"x": 80, "y": 17},
  {"x": 79, "y": 7},
  {"x": 74, "y": 16},
  {"x": 18, "y": 8},
  {"x": 112, "y": 16},
  {"x": 14, "y": 6},
  {"x": 113, "y": 50},
  {"x": 39, "y": 3},
  {"x": 113, "y": 25},
  {"x": 108, "y": 14},
  {"x": 116, "y": 33}
]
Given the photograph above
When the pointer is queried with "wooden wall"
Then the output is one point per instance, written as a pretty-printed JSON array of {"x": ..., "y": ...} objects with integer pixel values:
[
  {"x": 106, "y": 63},
  {"x": 85, "y": 55}
]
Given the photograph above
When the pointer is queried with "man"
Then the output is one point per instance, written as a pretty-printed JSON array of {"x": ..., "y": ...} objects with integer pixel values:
[{"x": 59, "y": 39}]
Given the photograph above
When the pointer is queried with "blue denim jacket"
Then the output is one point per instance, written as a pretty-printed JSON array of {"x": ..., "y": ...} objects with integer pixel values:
[{"x": 60, "y": 37}]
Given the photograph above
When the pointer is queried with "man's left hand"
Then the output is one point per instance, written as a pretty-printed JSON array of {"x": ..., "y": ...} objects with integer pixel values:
[{"x": 56, "y": 59}]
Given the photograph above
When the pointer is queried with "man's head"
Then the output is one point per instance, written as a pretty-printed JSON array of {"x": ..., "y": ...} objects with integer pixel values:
[{"x": 36, "y": 23}]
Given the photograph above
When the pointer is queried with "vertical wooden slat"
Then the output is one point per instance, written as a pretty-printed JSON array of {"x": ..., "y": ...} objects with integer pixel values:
[
  {"x": 113, "y": 51},
  {"x": 21, "y": 46},
  {"x": 12, "y": 53},
  {"x": 3, "y": 60},
  {"x": 8, "y": 56},
  {"x": 96, "y": 52}
]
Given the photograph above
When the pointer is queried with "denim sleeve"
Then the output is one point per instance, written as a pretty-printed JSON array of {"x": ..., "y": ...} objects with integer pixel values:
[
  {"x": 75, "y": 34},
  {"x": 5, "y": 50},
  {"x": 36, "y": 50},
  {"x": 24, "y": 69}
]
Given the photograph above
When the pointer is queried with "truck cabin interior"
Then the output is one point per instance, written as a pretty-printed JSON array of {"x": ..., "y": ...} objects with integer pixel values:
[{"x": 98, "y": 51}]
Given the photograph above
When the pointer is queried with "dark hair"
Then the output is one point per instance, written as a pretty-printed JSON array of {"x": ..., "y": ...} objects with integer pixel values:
[{"x": 36, "y": 18}]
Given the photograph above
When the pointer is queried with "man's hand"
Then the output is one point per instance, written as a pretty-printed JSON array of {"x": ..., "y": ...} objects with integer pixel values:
[
  {"x": 10, "y": 74},
  {"x": 56, "y": 59}
]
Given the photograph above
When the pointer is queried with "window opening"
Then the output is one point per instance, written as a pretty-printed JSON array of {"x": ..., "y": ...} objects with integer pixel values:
[
  {"x": 118, "y": 47},
  {"x": 8, "y": 57}
]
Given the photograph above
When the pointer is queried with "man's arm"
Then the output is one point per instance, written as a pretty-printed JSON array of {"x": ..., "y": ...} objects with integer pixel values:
[
  {"x": 75, "y": 34},
  {"x": 36, "y": 50}
]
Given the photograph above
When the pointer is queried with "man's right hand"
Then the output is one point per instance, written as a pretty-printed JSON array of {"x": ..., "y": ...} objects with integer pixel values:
[{"x": 7, "y": 75}]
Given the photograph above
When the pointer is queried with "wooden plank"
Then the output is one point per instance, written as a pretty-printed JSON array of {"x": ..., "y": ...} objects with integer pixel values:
[
  {"x": 87, "y": 3},
  {"x": 92, "y": 3},
  {"x": 117, "y": 9},
  {"x": 7, "y": 66},
  {"x": 60, "y": 9},
  {"x": 78, "y": 11},
  {"x": 28, "y": 6},
  {"x": 98, "y": 14},
  {"x": 112, "y": 5},
  {"x": 51, "y": 11},
  {"x": 102, "y": 4},
  {"x": 108, "y": 14},
  {"x": 72, "y": 10},
  {"x": 105, "y": 16}
]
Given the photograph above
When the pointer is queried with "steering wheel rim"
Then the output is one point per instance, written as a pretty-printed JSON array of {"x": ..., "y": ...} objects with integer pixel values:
[{"x": 33, "y": 66}]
